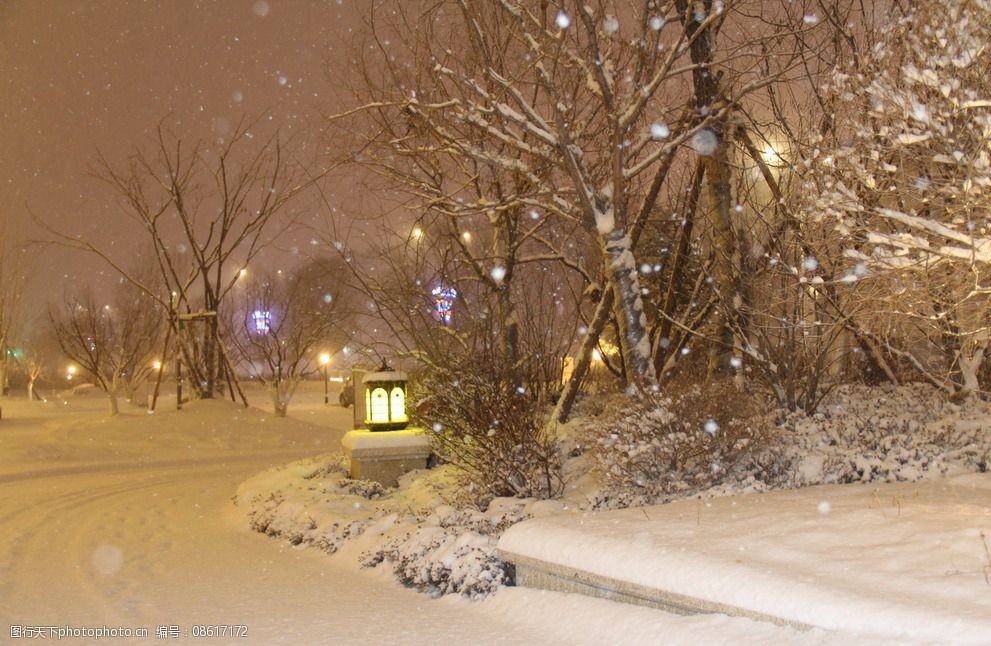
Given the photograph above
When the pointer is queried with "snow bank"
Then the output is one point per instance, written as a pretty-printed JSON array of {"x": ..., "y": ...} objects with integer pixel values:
[{"x": 906, "y": 561}]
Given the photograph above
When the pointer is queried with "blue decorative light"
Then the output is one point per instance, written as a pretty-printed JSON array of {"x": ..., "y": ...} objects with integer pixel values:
[
  {"x": 261, "y": 321},
  {"x": 444, "y": 303}
]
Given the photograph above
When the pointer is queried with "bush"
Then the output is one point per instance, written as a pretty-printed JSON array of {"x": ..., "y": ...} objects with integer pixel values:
[
  {"x": 486, "y": 421},
  {"x": 652, "y": 448}
]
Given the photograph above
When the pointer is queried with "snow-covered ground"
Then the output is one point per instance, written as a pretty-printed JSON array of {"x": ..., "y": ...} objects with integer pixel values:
[
  {"x": 876, "y": 559},
  {"x": 907, "y": 561},
  {"x": 128, "y": 522}
]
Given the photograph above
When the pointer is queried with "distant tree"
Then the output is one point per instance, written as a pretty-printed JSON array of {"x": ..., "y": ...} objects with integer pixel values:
[
  {"x": 114, "y": 344},
  {"x": 908, "y": 188},
  {"x": 280, "y": 322},
  {"x": 13, "y": 276},
  {"x": 207, "y": 213}
]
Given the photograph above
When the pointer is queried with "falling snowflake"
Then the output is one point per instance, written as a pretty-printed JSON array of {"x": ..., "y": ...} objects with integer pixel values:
[
  {"x": 711, "y": 426},
  {"x": 562, "y": 20},
  {"x": 610, "y": 24},
  {"x": 657, "y": 23},
  {"x": 498, "y": 273},
  {"x": 810, "y": 263},
  {"x": 659, "y": 131},
  {"x": 824, "y": 507},
  {"x": 705, "y": 142},
  {"x": 261, "y": 8}
]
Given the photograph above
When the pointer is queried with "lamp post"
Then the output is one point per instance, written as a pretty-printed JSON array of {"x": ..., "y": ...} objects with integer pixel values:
[
  {"x": 325, "y": 361},
  {"x": 70, "y": 372}
]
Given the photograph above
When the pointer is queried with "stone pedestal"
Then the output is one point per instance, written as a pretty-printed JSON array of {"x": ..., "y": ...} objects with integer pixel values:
[{"x": 383, "y": 456}]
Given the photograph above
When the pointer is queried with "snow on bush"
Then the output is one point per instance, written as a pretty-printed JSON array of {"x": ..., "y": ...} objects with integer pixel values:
[
  {"x": 647, "y": 452},
  {"x": 452, "y": 550},
  {"x": 881, "y": 434},
  {"x": 429, "y": 545}
]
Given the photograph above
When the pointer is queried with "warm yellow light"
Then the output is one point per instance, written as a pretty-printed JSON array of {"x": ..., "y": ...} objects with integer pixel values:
[
  {"x": 324, "y": 358},
  {"x": 156, "y": 364},
  {"x": 243, "y": 272},
  {"x": 71, "y": 370},
  {"x": 466, "y": 236},
  {"x": 377, "y": 402},
  {"x": 417, "y": 233},
  {"x": 772, "y": 156},
  {"x": 398, "y": 405},
  {"x": 596, "y": 355}
]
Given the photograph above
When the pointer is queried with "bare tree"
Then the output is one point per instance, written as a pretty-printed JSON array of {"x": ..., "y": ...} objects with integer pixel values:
[
  {"x": 908, "y": 189},
  {"x": 114, "y": 343},
  {"x": 207, "y": 214},
  {"x": 579, "y": 113},
  {"x": 13, "y": 277},
  {"x": 280, "y": 322}
]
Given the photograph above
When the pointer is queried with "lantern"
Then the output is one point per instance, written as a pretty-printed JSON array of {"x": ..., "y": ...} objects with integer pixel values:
[{"x": 385, "y": 400}]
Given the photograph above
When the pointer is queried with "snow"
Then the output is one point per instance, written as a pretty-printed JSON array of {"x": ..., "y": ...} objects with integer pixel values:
[
  {"x": 902, "y": 561},
  {"x": 129, "y": 522},
  {"x": 133, "y": 516}
]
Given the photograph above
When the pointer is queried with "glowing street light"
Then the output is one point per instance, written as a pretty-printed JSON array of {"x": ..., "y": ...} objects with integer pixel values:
[
  {"x": 324, "y": 360},
  {"x": 156, "y": 365},
  {"x": 417, "y": 233},
  {"x": 71, "y": 372}
]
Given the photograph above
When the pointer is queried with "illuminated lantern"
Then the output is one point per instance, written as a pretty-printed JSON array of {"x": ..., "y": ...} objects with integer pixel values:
[{"x": 385, "y": 400}]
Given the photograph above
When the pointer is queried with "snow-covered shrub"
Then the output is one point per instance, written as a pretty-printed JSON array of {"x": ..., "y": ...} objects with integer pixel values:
[
  {"x": 882, "y": 434},
  {"x": 485, "y": 418},
  {"x": 652, "y": 448},
  {"x": 451, "y": 551}
]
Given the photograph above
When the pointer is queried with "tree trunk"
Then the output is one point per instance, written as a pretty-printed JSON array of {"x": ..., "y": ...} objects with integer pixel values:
[
  {"x": 621, "y": 274},
  {"x": 113, "y": 395},
  {"x": 567, "y": 398}
]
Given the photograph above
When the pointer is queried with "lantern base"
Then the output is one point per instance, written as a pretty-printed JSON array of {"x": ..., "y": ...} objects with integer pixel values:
[{"x": 383, "y": 456}]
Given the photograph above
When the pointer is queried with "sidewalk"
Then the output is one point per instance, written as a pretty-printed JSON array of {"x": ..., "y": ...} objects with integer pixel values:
[{"x": 907, "y": 561}]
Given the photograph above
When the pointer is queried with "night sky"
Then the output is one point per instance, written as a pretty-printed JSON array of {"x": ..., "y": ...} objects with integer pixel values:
[{"x": 78, "y": 76}]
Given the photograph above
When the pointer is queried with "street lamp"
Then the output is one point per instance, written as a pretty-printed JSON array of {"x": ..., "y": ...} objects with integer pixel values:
[
  {"x": 70, "y": 372},
  {"x": 156, "y": 365},
  {"x": 325, "y": 361}
]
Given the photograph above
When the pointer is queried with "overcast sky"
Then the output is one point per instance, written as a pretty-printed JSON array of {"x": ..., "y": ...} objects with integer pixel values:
[{"x": 81, "y": 75}]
